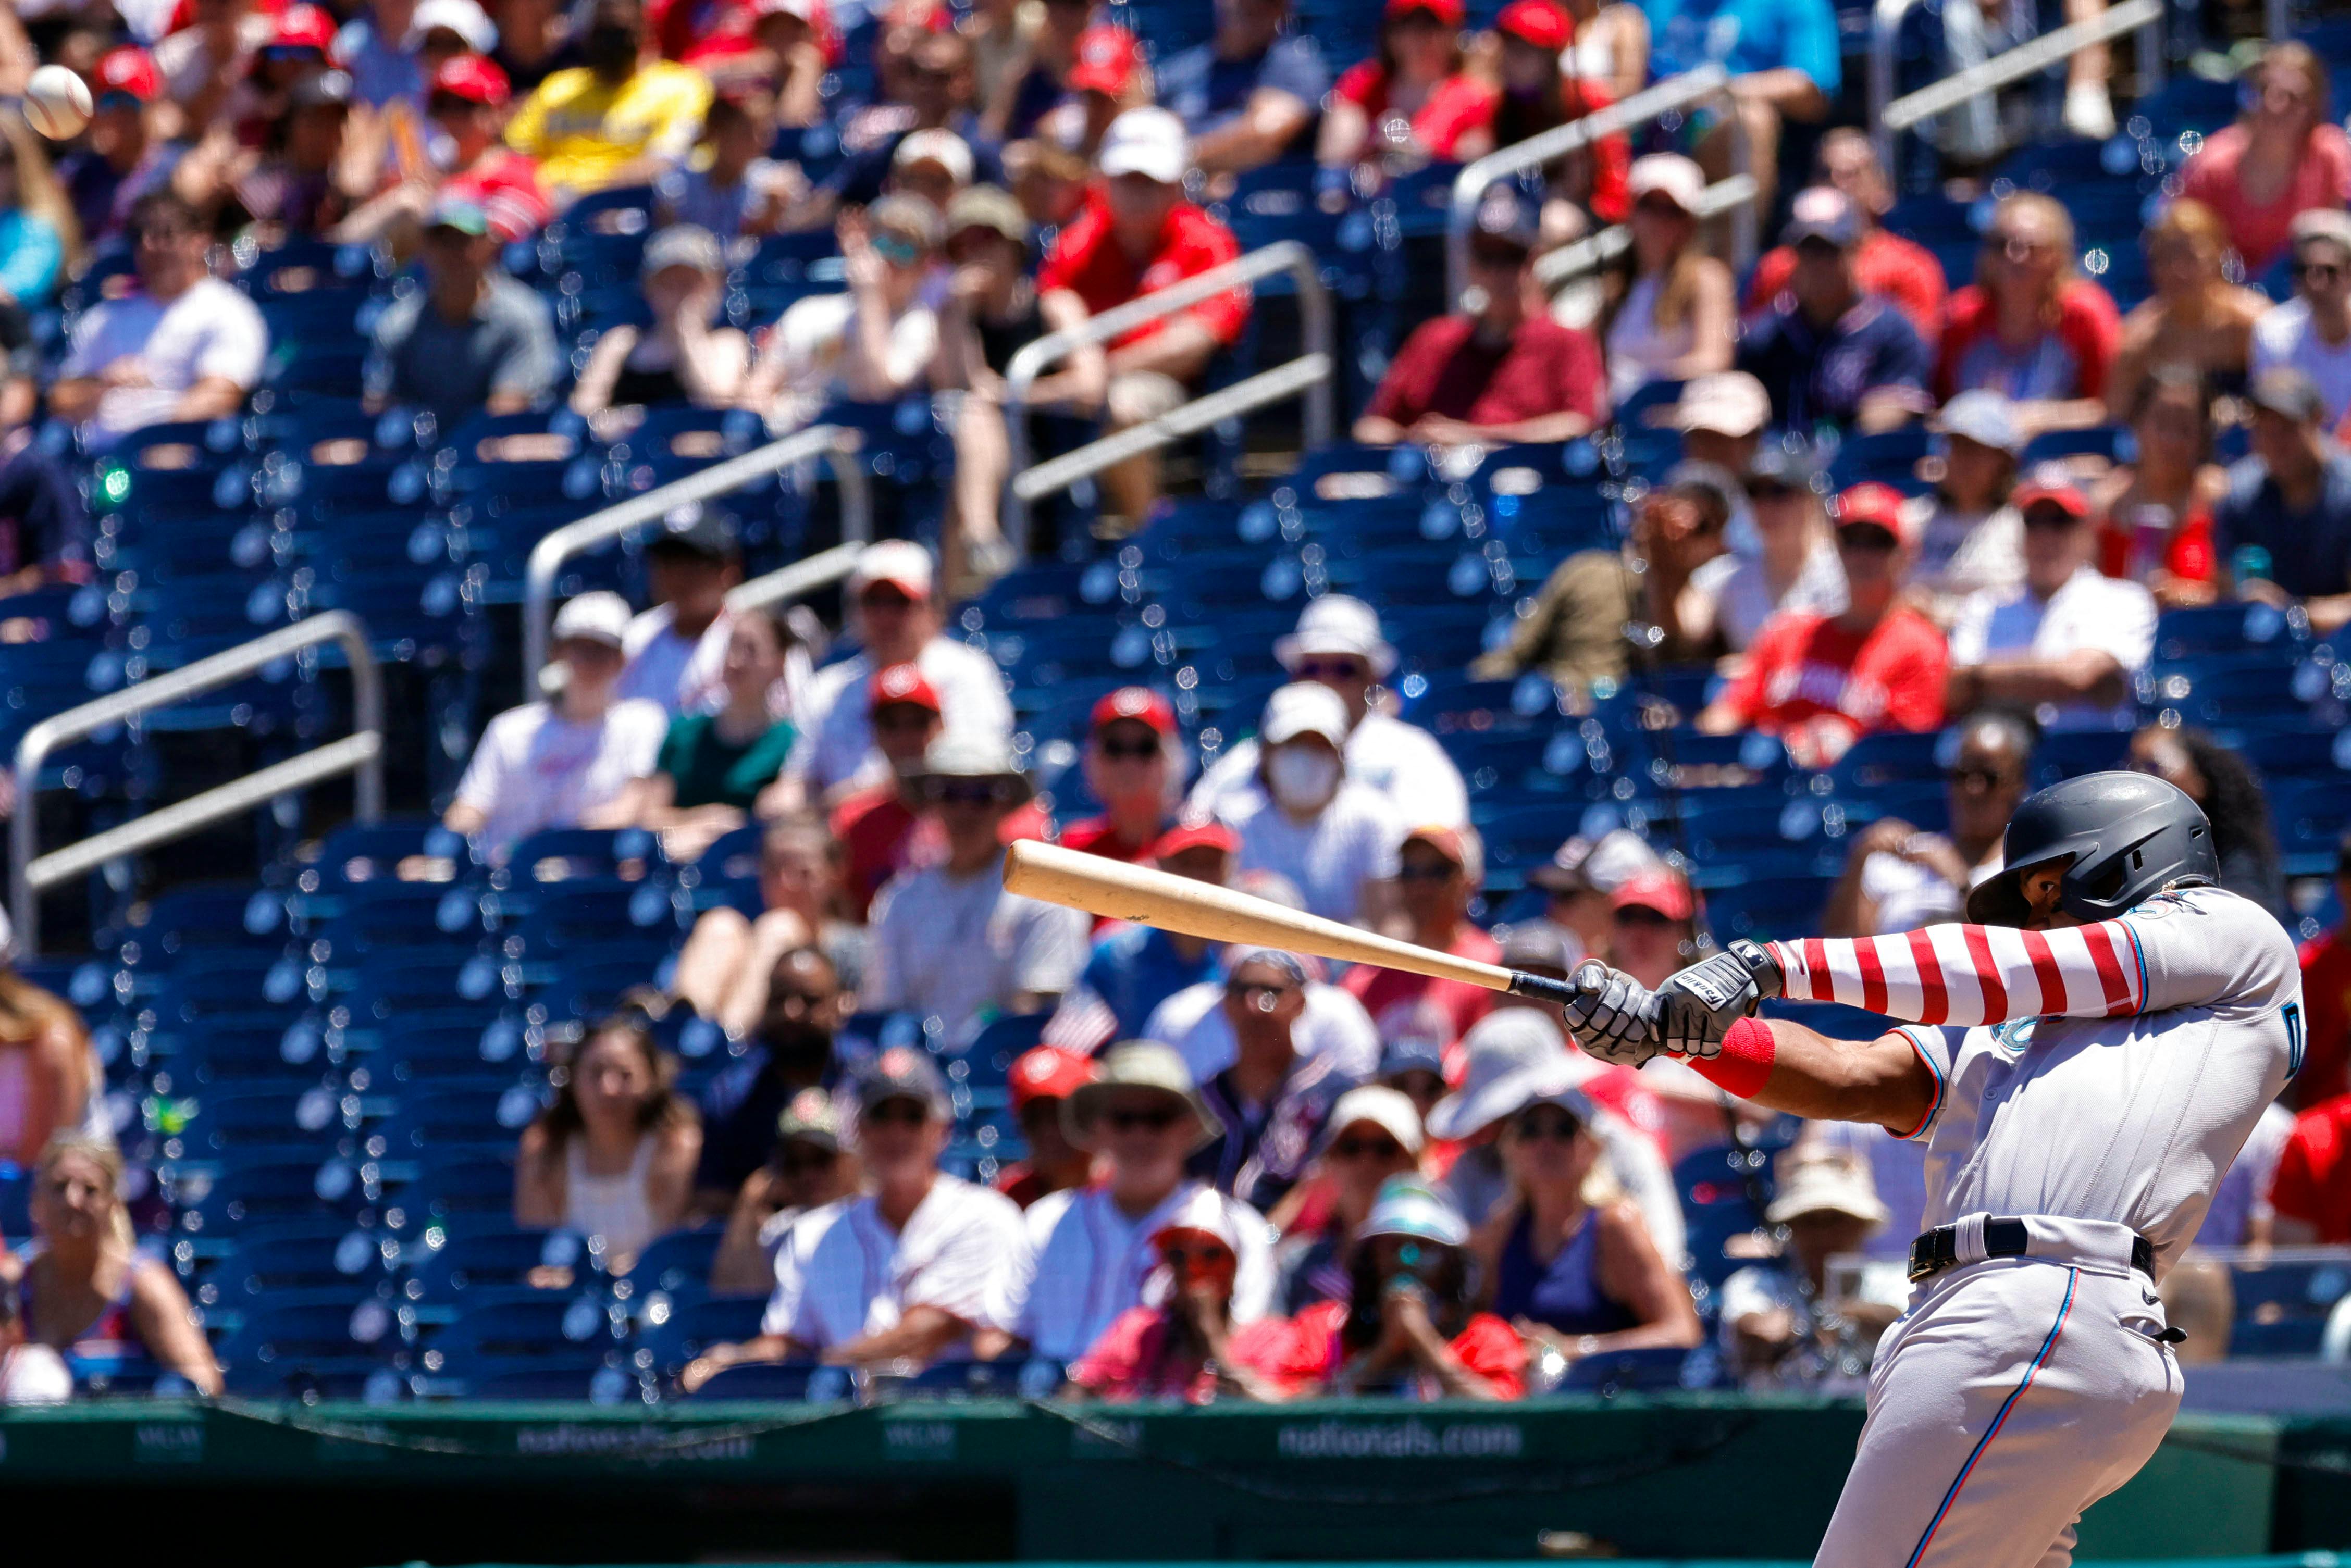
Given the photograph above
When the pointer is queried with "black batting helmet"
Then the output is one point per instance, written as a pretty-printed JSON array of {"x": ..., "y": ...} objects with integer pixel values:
[{"x": 2130, "y": 835}]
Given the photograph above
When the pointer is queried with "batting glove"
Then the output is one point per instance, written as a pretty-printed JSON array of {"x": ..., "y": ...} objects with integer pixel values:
[
  {"x": 1613, "y": 1017},
  {"x": 1697, "y": 1006}
]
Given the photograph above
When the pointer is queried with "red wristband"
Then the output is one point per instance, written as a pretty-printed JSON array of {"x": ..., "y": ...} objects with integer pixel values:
[{"x": 1745, "y": 1064}]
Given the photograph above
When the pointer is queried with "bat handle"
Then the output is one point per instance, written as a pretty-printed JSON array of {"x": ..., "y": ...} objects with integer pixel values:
[{"x": 1541, "y": 989}]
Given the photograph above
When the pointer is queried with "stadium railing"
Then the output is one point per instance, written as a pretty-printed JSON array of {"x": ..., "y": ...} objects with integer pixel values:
[
  {"x": 1035, "y": 358},
  {"x": 1890, "y": 116},
  {"x": 360, "y": 752},
  {"x": 836, "y": 445},
  {"x": 1595, "y": 251},
  {"x": 1687, "y": 90}
]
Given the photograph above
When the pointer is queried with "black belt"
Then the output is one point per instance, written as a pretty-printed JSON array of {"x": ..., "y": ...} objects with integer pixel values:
[{"x": 1937, "y": 1249}]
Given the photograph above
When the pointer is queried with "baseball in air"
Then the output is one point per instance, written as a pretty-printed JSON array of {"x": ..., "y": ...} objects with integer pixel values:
[{"x": 57, "y": 102}]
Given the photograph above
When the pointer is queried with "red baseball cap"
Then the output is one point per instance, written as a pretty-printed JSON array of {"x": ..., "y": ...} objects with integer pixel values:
[
  {"x": 904, "y": 683},
  {"x": 1659, "y": 890},
  {"x": 1873, "y": 502},
  {"x": 1106, "y": 60},
  {"x": 1208, "y": 834},
  {"x": 1048, "y": 1073},
  {"x": 129, "y": 70},
  {"x": 2054, "y": 489},
  {"x": 1446, "y": 11},
  {"x": 1140, "y": 703},
  {"x": 476, "y": 78},
  {"x": 1536, "y": 22},
  {"x": 303, "y": 28}
]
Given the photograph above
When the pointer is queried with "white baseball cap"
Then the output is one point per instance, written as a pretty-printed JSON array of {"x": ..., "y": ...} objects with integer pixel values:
[
  {"x": 1827, "y": 1183},
  {"x": 1146, "y": 142},
  {"x": 945, "y": 148},
  {"x": 463, "y": 18},
  {"x": 1389, "y": 1110},
  {"x": 1205, "y": 1212},
  {"x": 1336, "y": 623},
  {"x": 1303, "y": 708},
  {"x": 901, "y": 563},
  {"x": 602, "y": 616},
  {"x": 1668, "y": 175},
  {"x": 1729, "y": 402}
]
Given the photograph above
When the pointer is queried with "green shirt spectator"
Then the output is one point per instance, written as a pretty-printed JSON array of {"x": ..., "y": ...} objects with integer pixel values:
[{"x": 712, "y": 771}]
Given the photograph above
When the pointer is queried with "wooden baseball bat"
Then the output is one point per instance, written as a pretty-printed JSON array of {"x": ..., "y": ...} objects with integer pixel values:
[{"x": 1146, "y": 897}]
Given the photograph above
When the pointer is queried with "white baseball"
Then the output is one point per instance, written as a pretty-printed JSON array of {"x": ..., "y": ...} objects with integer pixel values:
[{"x": 57, "y": 102}]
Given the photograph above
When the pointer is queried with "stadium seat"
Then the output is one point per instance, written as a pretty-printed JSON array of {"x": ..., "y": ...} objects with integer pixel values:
[
  {"x": 312, "y": 1344},
  {"x": 678, "y": 1261},
  {"x": 675, "y": 1326},
  {"x": 777, "y": 1381},
  {"x": 488, "y": 1255},
  {"x": 296, "y": 1254}
]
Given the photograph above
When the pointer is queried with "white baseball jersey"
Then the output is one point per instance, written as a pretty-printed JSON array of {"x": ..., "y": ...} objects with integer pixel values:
[
  {"x": 2111, "y": 1071},
  {"x": 1086, "y": 1261},
  {"x": 842, "y": 1273},
  {"x": 2097, "y": 1080}
]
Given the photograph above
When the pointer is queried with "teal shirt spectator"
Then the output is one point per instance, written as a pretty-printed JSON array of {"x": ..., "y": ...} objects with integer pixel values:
[
  {"x": 710, "y": 770},
  {"x": 32, "y": 256},
  {"x": 1746, "y": 36}
]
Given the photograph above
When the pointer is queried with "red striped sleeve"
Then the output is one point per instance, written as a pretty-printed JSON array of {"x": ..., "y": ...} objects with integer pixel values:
[
  {"x": 2101, "y": 943},
  {"x": 1873, "y": 975},
  {"x": 1820, "y": 986},
  {"x": 2045, "y": 970},
  {"x": 1995, "y": 994},
  {"x": 1934, "y": 995}
]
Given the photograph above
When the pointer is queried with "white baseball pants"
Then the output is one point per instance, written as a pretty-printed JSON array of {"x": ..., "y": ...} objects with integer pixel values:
[{"x": 2012, "y": 1396}]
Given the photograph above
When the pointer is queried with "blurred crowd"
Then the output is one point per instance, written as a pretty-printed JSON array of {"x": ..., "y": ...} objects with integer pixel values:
[{"x": 1249, "y": 1176}]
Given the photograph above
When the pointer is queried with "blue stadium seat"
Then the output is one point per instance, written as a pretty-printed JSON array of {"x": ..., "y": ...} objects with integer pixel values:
[
  {"x": 675, "y": 1326},
  {"x": 678, "y": 1261},
  {"x": 507, "y": 1330},
  {"x": 490, "y": 1257},
  {"x": 2230, "y": 628},
  {"x": 777, "y": 1381},
  {"x": 460, "y": 1185},
  {"x": 265, "y": 1260},
  {"x": 269, "y": 1186},
  {"x": 484, "y": 1113},
  {"x": 2282, "y": 1306},
  {"x": 359, "y": 853},
  {"x": 309, "y": 1344},
  {"x": 234, "y": 1117}
]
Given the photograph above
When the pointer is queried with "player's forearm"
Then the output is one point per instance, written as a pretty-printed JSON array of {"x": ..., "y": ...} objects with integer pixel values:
[
  {"x": 1971, "y": 974},
  {"x": 1884, "y": 1080}
]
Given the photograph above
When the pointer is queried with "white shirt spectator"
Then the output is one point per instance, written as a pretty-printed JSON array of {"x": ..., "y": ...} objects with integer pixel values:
[
  {"x": 210, "y": 330},
  {"x": 1961, "y": 554},
  {"x": 842, "y": 1273},
  {"x": 836, "y": 744},
  {"x": 2285, "y": 338},
  {"x": 817, "y": 335},
  {"x": 1334, "y": 1024},
  {"x": 1909, "y": 896},
  {"x": 2091, "y": 610},
  {"x": 536, "y": 768},
  {"x": 1402, "y": 761},
  {"x": 34, "y": 1374},
  {"x": 956, "y": 949},
  {"x": 1742, "y": 595},
  {"x": 1351, "y": 841},
  {"x": 1087, "y": 1262},
  {"x": 684, "y": 674}
]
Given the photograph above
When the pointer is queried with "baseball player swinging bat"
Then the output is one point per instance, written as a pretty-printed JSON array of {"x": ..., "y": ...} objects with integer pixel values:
[{"x": 2084, "y": 1058}]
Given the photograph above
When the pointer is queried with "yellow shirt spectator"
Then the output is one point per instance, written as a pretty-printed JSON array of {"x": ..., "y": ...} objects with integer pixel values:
[{"x": 588, "y": 135}]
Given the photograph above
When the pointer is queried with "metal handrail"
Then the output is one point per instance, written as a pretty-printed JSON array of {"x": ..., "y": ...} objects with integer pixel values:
[
  {"x": 1034, "y": 358},
  {"x": 1594, "y": 251},
  {"x": 1675, "y": 93},
  {"x": 799, "y": 579},
  {"x": 1303, "y": 374},
  {"x": 1891, "y": 119},
  {"x": 360, "y": 752},
  {"x": 837, "y": 444}
]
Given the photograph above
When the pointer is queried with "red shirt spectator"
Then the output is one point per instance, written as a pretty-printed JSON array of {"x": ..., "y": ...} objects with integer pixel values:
[
  {"x": 1129, "y": 769},
  {"x": 2215, "y": 176},
  {"x": 1459, "y": 105},
  {"x": 2326, "y": 1004},
  {"x": 2186, "y": 551},
  {"x": 1900, "y": 269},
  {"x": 1803, "y": 666},
  {"x": 2069, "y": 361},
  {"x": 1088, "y": 261},
  {"x": 1129, "y": 1360},
  {"x": 2313, "y": 1185},
  {"x": 1447, "y": 368},
  {"x": 1439, "y": 870},
  {"x": 1486, "y": 1345}
]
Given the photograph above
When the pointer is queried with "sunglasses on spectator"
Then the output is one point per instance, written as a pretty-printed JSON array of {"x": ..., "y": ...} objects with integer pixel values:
[
  {"x": 1333, "y": 669},
  {"x": 1660, "y": 207},
  {"x": 1546, "y": 1122},
  {"x": 895, "y": 717},
  {"x": 1427, "y": 870},
  {"x": 807, "y": 1164},
  {"x": 976, "y": 793},
  {"x": 1249, "y": 991},
  {"x": 1769, "y": 490},
  {"x": 1866, "y": 537},
  {"x": 1642, "y": 915},
  {"x": 897, "y": 249},
  {"x": 897, "y": 1113},
  {"x": 1186, "y": 1259},
  {"x": 881, "y": 596},
  {"x": 1128, "y": 750},
  {"x": 1151, "y": 1118},
  {"x": 1982, "y": 779},
  {"x": 1366, "y": 1148},
  {"x": 2052, "y": 518}
]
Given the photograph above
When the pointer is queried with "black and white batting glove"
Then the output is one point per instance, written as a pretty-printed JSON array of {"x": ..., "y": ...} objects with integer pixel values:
[
  {"x": 1697, "y": 1007},
  {"x": 1613, "y": 1017}
]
